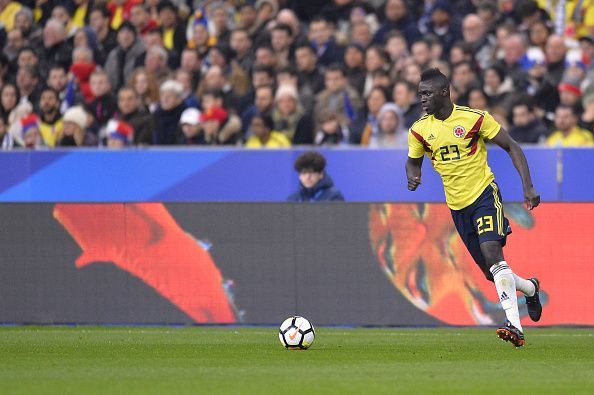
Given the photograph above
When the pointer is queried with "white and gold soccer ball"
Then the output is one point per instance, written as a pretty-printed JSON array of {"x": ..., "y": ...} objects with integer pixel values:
[{"x": 296, "y": 333}]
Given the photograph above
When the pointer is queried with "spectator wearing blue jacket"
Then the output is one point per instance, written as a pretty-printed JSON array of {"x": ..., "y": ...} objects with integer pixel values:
[{"x": 315, "y": 185}]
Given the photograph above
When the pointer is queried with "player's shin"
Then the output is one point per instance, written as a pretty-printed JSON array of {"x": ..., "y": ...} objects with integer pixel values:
[
  {"x": 506, "y": 289},
  {"x": 524, "y": 286}
]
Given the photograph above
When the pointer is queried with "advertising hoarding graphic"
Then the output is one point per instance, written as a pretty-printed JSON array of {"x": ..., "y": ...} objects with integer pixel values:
[
  {"x": 144, "y": 240},
  {"x": 149, "y": 263},
  {"x": 419, "y": 250}
]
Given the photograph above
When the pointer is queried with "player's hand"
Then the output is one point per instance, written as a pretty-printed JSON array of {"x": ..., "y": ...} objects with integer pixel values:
[
  {"x": 413, "y": 183},
  {"x": 531, "y": 198}
]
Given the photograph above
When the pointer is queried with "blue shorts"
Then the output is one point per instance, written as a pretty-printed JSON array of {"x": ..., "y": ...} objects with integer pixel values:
[{"x": 482, "y": 221}]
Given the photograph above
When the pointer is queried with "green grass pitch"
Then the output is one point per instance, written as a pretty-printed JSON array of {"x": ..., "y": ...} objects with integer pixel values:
[{"x": 248, "y": 360}]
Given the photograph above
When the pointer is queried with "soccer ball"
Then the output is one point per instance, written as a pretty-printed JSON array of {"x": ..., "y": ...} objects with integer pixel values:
[{"x": 296, "y": 333}]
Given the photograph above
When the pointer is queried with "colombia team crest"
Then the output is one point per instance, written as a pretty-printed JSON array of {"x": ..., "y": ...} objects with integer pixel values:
[{"x": 459, "y": 131}]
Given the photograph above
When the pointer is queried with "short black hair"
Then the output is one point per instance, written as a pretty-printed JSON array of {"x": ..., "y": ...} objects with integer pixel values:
[
  {"x": 261, "y": 68},
  {"x": 434, "y": 74},
  {"x": 266, "y": 118},
  {"x": 52, "y": 90},
  {"x": 102, "y": 9},
  {"x": 287, "y": 69},
  {"x": 284, "y": 27},
  {"x": 568, "y": 107},
  {"x": 524, "y": 100},
  {"x": 310, "y": 160},
  {"x": 214, "y": 92},
  {"x": 336, "y": 67}
]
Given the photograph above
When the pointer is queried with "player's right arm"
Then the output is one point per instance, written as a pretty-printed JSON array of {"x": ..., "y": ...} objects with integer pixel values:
[
  {"x": 413, "y": 172},
  {"x": 416, "y": 152}
]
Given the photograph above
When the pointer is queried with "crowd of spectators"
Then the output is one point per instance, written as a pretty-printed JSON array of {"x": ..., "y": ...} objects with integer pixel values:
[{"x": 277, "y": 73}]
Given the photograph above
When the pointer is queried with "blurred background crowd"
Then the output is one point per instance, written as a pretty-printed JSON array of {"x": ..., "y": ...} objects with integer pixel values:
[{"x": 277, "y": 73}]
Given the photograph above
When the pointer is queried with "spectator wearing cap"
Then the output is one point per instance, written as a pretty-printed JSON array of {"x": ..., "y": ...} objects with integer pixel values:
[
  {"x": 526, "y": 127},
  {"x": 290, "y": 118},
  {"x": 315, "y": 184},
  {"x": 331, "y": 132},
  {"x": 173, "y": 32},
  {"x": 264, "y": 102},
  {"x": 24, "y": 133},
  {"x": 168, "y": 114},
  {"x": 567, "y": 132},
  {"x": 263, "y": 135},
  {"x": 75, "y": 133},
  {"x": 133, "y": 113},
  {"x": 191, "y": 131},
  {"x": 397, "y": 18},
  {"x": 50, "y": 122},
  {"x": 120, "y": 134},
  {"x": 122, "y": 59},
  {"x": 201, "y": 40},
  {"x": 391, "y": 131},
  {"x": 321, "y": 37},
  {"x": 106, "y": 36},
  {"x": 231, "y": 125},
  {"x": 570, "y": 94},
  {"x": 216, "y": 124}
]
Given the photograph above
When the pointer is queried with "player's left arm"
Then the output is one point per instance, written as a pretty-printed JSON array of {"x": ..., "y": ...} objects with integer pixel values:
[{"x": 504, "y": 140}]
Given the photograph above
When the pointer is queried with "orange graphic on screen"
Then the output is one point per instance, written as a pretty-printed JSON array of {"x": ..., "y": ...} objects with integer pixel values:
[
  {"x": 420, "y": 251},
  {"x": 146, "y": 241}
]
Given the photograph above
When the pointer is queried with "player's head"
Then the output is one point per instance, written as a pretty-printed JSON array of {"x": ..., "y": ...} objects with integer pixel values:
[{"x": 434, "y": 90}]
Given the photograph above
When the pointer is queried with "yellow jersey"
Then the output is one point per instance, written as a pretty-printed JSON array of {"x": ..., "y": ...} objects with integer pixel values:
[
  {"x": 457, "y": 150},
  {"x": 276, "y": 140},
  {"x": 577, "y": 137}
]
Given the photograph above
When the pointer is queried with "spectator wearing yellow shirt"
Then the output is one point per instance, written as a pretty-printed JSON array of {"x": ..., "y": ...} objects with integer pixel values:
[
  {"x": 567, "y": 133},
  {"x": 8, "y": 10},
  {"x": 263, "y": 136},
  {"x": 50, "y": 123},
  {"x": 173, "y": 33}
]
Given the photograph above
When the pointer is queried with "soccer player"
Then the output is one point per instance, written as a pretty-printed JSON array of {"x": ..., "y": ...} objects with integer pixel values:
[{"x": 453, "y": 137}]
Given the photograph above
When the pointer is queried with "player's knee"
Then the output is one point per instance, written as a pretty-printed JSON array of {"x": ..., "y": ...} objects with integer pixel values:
[{"x": 492, "y": 252}]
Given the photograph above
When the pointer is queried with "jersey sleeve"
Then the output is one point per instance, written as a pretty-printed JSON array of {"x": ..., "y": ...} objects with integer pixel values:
[
  {"x": 415, "y": 147},
  {"x": 490, "y": 127}
]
